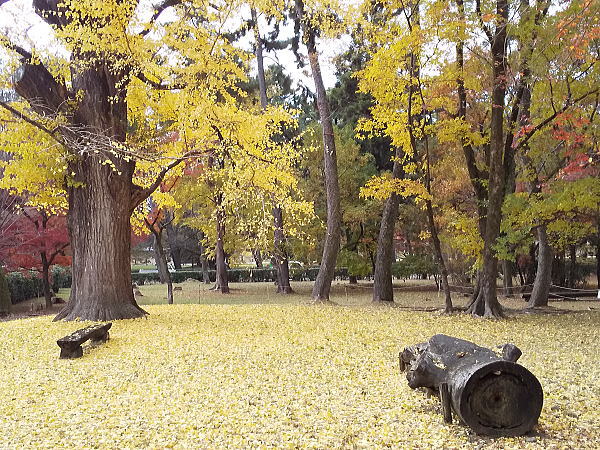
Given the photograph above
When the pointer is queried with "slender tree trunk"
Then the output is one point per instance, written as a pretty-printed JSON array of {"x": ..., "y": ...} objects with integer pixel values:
[
  {"x": 222, "y": 283},
  {"x": 174, "y": 248},
  {"x": 331, "y": 245},
  {"x": 281, "y": 257},
  {"x": 487, "y": 304},
  {"x": 258, "y": 259},
  {"x": 543, "y": 277},
  {"x": 383, "y": 290},
  {"x": 160, "y": 257},
  {"x": 46, "y": 279},
  {"x": 572, "y": 265},
  {"x": 507, "y": 281},
  {"x": 598, "y": 256},
  {"x": 204, "y": 264},
  {"x": 439, "y": 257}
]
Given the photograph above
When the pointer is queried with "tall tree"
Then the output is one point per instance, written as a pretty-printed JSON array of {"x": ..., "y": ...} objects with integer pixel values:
[
  {"x": 331, "y": 245},
  {"x": 95, "y": 104}
]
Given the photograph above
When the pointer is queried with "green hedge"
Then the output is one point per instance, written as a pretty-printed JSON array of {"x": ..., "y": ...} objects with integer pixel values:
[
  {"x": 238, "y": 275},
  {"x": 23, "y": 286},
  {"x": 420, "y": 265}
]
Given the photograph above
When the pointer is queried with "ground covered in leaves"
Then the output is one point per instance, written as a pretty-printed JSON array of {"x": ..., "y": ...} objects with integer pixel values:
[{"x": 277, "y": 375}]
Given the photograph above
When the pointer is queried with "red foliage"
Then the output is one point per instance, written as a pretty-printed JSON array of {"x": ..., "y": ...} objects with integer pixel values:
[{"x": 33, "y": 233}]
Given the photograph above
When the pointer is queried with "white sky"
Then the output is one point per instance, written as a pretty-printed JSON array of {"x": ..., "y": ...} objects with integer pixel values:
[{"x": 19, "y": 22}]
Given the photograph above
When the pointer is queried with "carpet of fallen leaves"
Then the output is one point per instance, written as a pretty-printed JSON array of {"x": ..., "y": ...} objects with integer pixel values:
[{"x": 206, "y": 376}]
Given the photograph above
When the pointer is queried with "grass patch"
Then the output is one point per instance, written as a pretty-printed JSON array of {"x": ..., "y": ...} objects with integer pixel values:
[{"x": 260, "y": 374}]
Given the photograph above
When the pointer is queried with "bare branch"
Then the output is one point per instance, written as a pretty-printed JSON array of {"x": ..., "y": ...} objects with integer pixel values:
[
  {"x": 158, "y": 10},
  {"x": 30, "y": 121},
  {"x": 158, "y": 85}
]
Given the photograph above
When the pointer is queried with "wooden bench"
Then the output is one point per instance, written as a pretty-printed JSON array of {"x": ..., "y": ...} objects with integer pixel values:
[{"x": 70, "y": 346}]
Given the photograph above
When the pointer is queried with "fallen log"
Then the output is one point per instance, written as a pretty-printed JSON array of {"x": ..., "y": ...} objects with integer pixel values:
[{"x": 487, "y": 390}]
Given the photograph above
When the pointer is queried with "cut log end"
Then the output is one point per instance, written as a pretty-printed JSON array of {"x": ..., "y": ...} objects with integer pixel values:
[{"x": 501, "y": 399}]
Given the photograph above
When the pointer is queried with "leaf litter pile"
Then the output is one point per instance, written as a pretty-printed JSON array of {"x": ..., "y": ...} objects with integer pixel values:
[{"x": 277, "y": 376}]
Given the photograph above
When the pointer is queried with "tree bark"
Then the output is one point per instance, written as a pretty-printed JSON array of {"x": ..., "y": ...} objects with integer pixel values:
[
  {"x": 383, "y": 290},
  {"x": 440, "y": 257},
  {"x": 331, "y": 245},
  {"x": 46, "y": 279},
  {"x": 507, "y": 277},
  {"x": 572, "y": 265},
  {"x": 100, "y": 232},
  {"x": 490, "y": 393},
  {"x": 222, "y": 283},
  {"x": 543, "y": 276},
  {"x": 258, "y": 260},
  {"x": 486, "y": 304},
  {"x": 172, "y": 238},
  {"x": 160, "y": 257},
  {"x": 281, "y": 257}
]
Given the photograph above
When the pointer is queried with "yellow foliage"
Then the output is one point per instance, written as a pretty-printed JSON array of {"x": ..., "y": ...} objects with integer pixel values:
[
  {"x": 216, "y": 376},
  {"x": 381, "y": 187}
]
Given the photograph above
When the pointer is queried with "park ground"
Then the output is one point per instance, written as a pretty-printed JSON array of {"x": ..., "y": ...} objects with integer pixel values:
[{"x": 255, "y": 369}]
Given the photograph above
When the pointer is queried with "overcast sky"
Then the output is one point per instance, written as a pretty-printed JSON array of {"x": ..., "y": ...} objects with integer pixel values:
[{"x": 21, "y": 24}]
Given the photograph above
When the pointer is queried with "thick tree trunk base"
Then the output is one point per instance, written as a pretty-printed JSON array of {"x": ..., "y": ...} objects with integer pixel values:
[
  {"x": 99, "y": 312},
  {"x": 481, "y": 306},
  {"x": 285, "y": 290}
]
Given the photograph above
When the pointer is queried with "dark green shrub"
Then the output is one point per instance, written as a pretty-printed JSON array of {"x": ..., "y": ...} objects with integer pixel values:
[
  {"x": 419, "y": 265},
  {"x": 24, "y": 286},
  {"x": 61, "y": 278},
  {"x": 4, "y": 295}
]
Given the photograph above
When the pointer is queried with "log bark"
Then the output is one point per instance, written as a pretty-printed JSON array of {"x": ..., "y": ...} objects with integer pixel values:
[{"x": 488, "y": 390}]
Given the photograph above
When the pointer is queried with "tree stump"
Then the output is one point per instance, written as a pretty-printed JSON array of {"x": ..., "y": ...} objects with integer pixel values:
[{"x": 487, "y": 390}]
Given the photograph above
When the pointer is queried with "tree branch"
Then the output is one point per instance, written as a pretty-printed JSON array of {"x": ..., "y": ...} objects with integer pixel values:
[
  {"x": 30, "y": 121},
  {"x": 158, "y": 10},
  {"x": 158, "y": 85},
  {"x": 140, "y": 194},
  {"x": 553, "y": 116}
]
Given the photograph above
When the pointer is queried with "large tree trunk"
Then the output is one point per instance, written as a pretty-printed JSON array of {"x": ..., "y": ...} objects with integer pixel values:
[
  {"x": 100, "y": 232},
  {"x": 543, "y": 275},
  {"x": 331, "y": 245}
]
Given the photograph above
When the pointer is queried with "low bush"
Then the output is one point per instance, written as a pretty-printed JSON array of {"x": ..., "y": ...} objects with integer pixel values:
[
  {"x": 238, "y": 275},
  {"x": 23, "y": 286}
]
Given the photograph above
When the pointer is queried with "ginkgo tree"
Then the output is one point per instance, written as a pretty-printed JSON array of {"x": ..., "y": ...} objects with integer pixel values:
[{"x": 117, "y": 76}]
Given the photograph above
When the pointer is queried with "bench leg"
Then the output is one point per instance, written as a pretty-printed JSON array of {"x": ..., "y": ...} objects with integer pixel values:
[
  {"x": 100, "y": 339},
  {"x": 67, "y": 353}
]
